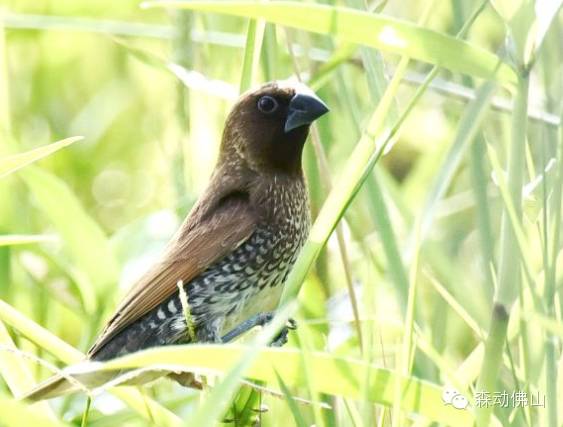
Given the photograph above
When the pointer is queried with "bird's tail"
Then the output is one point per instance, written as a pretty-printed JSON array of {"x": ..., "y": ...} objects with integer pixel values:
[
  {"x": 59, "y": 385},
  {"x": 55, "y": 386}
]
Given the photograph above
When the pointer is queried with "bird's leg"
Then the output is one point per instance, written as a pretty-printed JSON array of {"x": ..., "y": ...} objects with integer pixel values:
[
  {"x": 208, "y": 332},
  {"x": 260, "y": 319}
]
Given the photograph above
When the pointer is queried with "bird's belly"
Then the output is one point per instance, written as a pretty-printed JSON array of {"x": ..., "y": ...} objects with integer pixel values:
[
  {"x": 251, "y": 302},
  {"x": 247, "y": 282}
]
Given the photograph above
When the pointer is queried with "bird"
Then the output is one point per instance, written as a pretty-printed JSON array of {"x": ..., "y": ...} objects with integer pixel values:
[{"x": 236, "y": 247}]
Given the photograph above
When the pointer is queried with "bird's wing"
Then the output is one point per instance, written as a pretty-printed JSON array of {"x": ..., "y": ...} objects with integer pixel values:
[{"x": 208, "y": 234}]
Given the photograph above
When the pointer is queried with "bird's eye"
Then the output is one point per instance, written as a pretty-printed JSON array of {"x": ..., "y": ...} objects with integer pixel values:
[{"x": 267, "y": 104}]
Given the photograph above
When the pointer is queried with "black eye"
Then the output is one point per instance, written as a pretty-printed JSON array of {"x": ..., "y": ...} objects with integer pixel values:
[{"x": 267, "y": 104}]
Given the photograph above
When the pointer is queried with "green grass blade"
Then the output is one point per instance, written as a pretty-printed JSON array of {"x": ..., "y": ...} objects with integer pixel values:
[
  {"x": 379, "y": 31},
  {"x": 483, "y": 212},
  {"x": 39, "y": 335},
  {"x": 512, "y": 212},
  {"x": 297, "y": 417},
  {"x": 469, "y": 125},
  {"x": 380, "y": 214},
  {"x": 356, "y": 170},
  {"x": 5, "y": 113},
  {"x": 254, "y": 37},
  {"x": 325, "y": 72},
  {"x": 456, "y": 306},
  {"x": 406, "y": 355},
  {"x": 12, "y": 368},
  {"x": 25, "y": 239},
  {"x": 144, "y": 405},
  {"x": 26, "y": 21},
  {"x": 360, "y": 163},
  {"x": 14, "y": 162},
  {"x": 222, "y": 394},
  {"x": 510, "y": 258},
  {"x": 332, "y": 375},
  {"x": 545, "y": 13},
  {"x": 549, "y": 324},
  {"x": 15, "y": 370},
  {"x": 86, "y": 243},
  {"x": 377, "y": 84},
  {"x": 309, "y": 378},
  {"x": 16, "y": 414}
]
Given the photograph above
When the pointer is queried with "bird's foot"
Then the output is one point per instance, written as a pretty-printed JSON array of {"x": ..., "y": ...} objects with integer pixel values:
[
  {"x": 261, "y": 319},
  {"x": 281, "y": 338}
]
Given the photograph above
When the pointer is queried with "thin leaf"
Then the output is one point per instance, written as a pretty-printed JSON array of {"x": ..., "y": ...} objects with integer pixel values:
[
  {"x": 333, "y": 375},
  {"x": 546, "y": 11},
  {"x": 86, "y": 243},
  {"x": 297, "y": 417},
  {"x": 15, "y": 370},
  {"x": 380, "y": 31},
  {"x": 469, "y": 125},
  {"x": 144, "y": 405},
  {"x": 17, "y": 414},
  {"x": 367, "y": 152},
  {"x": 223, "y": 393},
  {"x": 254, "y": 37},
  {"x": 14, "y": 162},
  {"x": 553, "y": 326},
  {"x": 25, "y": 239}
]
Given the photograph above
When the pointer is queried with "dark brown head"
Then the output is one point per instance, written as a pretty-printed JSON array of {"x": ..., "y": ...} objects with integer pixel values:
[{"x": 267, "y": 127}]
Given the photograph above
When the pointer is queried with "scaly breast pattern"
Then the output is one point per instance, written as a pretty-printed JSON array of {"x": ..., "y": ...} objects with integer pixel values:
[{"x": 249, "y": 280}]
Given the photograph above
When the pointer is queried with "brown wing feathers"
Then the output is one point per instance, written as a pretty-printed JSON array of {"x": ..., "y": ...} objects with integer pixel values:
[{"x": 208, "y": 234}]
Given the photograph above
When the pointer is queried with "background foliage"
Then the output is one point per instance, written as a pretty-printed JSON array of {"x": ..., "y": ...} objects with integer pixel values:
[{"x": 447, "y": 179}]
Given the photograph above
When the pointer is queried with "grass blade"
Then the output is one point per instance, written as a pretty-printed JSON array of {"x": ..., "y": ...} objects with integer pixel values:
[
  {"x": 254, "y": 37},
  {"x": 15, "y": 414},
  {"x": 14, "y": 162},
  {"x": 379, "y": 31},
  {"x": 86, "y": 243},
  {"x": 25, "y": 239},
  {"x": 222, "y": 394},
  {"x": 297, "y": 417},
  {"x": 15, "y": 371},
  {"x": 332, "y": 375},
  {"x": 510, "y": 261},
  {"x": 469, "y": 125},
  {"x": 144, "y": 405}
]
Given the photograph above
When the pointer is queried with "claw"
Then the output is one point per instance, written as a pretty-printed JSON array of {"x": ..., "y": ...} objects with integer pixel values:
[{"x": 291, "y": 324}]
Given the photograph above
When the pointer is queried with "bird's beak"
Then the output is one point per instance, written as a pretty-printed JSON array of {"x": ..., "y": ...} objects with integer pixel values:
[{"x": 304, "y": 108}]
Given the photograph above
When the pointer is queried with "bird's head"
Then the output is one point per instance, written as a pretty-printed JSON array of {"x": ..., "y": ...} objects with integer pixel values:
[{"x": 268, "y": 126}]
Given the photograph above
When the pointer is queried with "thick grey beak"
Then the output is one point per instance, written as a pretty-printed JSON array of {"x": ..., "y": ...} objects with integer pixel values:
[{"x": 303, "y": 110}]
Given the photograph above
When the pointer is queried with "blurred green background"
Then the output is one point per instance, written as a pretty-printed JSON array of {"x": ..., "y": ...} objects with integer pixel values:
[{"x": 149, "y": 90}]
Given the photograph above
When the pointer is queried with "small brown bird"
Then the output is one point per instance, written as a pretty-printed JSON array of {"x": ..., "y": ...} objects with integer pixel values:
[{"x": 236, "y": 247}]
